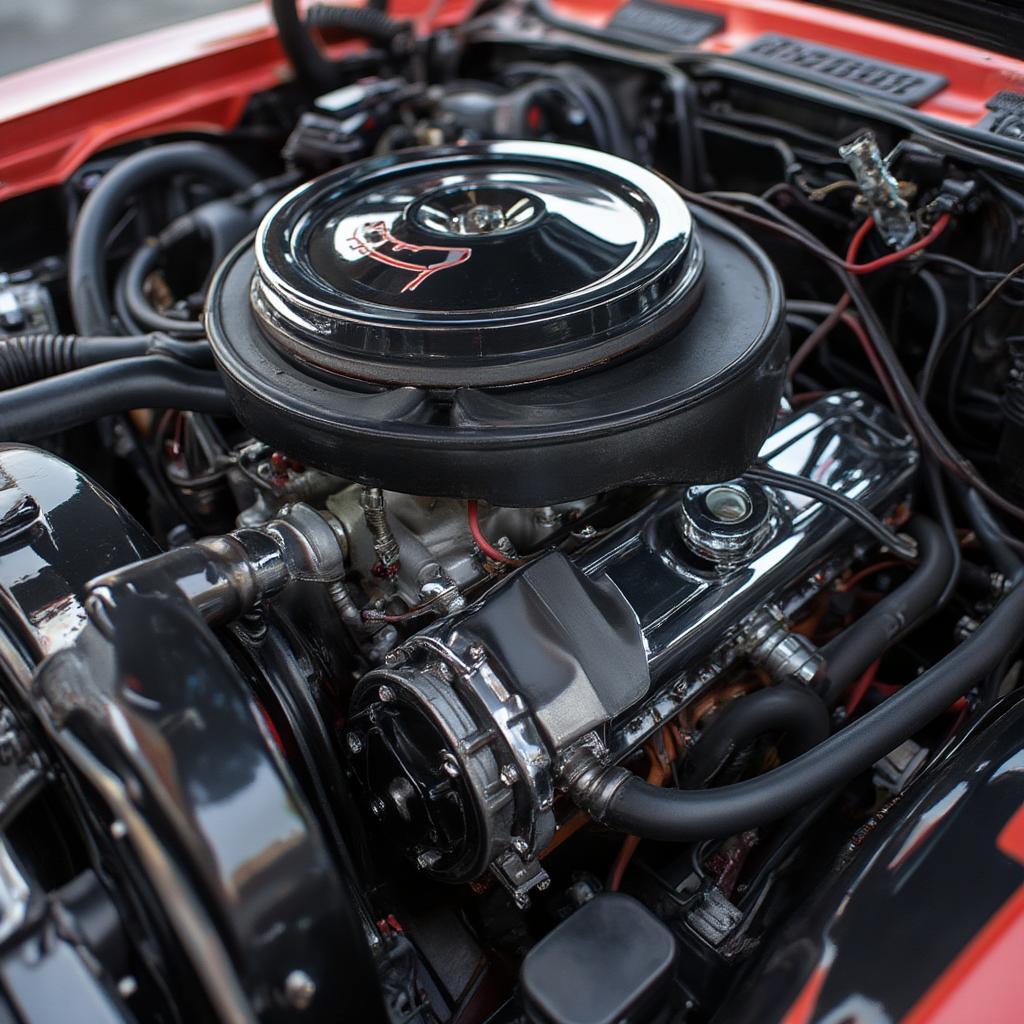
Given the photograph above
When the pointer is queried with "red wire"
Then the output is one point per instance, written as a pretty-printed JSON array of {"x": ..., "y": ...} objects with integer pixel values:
[
  {"x": 473, "y": 515},
  {"x": 840, "y": 313},
  {"x": 893, "y": 257},
  {"x": 861, "y": 687},
  {"x": 861, "y": 335},
  {"x": 859, "y": 237}
]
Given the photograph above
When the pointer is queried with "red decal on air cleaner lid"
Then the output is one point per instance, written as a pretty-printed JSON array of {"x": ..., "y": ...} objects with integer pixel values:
[{"x": 374, "y": 240}]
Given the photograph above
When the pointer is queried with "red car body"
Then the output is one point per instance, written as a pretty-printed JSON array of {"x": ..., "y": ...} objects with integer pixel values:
[{"x": 199, "y": 75}]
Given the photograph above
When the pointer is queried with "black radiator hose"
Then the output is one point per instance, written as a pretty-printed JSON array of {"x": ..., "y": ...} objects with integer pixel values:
[
  {"x": 72, "y": 399},
  {"x": 850, "y": 654},
  {"x": 87, "y": 259},
  {"x": 25, "y": 358},
  {"x": 796, "y": 712},
  {"x": 990, "y": 535},
  {"x": 312, "y": 68},
  {"x": 618, "y": 798}
]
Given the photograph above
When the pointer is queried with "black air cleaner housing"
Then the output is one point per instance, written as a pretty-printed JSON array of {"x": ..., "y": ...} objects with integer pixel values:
[{"x": 520, "y": 322}]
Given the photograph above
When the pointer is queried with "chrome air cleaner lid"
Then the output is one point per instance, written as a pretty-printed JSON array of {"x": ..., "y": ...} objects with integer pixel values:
[
  {"x": 518, "y": 322},
  {"x": 489, "y": 264}
]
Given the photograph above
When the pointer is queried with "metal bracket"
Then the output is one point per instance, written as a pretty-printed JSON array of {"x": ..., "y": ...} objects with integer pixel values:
[
  {"x": 880, "y": 189},
  {"x": 520, "y": 877}
]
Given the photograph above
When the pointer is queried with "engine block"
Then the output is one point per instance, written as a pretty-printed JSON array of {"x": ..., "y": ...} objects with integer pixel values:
[{"x": 459, "y": 738}]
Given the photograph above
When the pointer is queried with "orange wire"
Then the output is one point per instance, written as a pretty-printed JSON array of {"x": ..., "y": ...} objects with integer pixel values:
[
  {"x": 863, "y": 574},
  {"x": 659, "y": 771},
  {"x": 861, "y": 687},
  {"x": 808, "y": 625}
]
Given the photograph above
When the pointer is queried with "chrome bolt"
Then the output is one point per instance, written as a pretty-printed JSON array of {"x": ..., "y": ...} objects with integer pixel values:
[
  {"x": 547, "y": 517},
  {"x": 965, "y": 627},
  {"x": 450, "y": 766},
  {"x": 506, "y": 547},
  {"x": 377, "y": 808},
  {"x": 386, "y": 694},
  {"x": 509, "y": 774},
  {"x": 299, "y": 990},
  {"x": 427, "y": 859},
  {"x": 355, "y": 743}
]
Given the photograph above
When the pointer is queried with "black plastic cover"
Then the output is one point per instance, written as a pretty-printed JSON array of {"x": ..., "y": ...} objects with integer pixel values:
[
  {"x": 853, "y": 71},
  {"x": 610, "y": 963}
]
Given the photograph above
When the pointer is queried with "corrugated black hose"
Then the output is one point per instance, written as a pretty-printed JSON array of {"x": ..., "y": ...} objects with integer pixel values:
[
  {"x": 25, "y": 358},
  {"x": 312, "y": 67}
]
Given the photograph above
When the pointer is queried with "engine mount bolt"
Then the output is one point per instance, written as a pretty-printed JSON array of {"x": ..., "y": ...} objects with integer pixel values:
[
  {"x": 386, "y": 694},
  {"x": 509, "y": 774},
  {"x": 299, "y": 990},
  {"x": 377, "y": 808},
  {"x": 355, "y": 743},
  {"x": 450, "y": 766},
  {"x": 476, "y": 652},
  {"x": 520, "y": 845}
]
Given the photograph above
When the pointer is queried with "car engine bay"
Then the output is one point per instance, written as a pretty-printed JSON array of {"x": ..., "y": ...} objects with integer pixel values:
[{"x": 519, "y": 530}]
